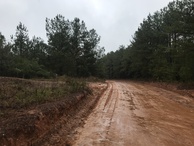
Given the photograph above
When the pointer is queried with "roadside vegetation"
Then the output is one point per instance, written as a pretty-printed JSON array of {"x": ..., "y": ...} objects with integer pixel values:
[
  {"x": 71, "y": 50},
  {"x": 162, "y": 48},
  {"x": 18, "y": 93}
]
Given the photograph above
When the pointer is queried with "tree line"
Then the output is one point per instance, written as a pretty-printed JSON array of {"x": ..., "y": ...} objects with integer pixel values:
[
  {"x": 162, "y": 48},
  {"x": 71, "y": 50}
]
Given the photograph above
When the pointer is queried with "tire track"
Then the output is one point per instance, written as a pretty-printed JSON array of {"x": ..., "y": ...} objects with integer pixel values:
[
  {"x": 133, "y": 114},
  {"x": 109, "y": 95},
  {"x": 98, "y": 123}
]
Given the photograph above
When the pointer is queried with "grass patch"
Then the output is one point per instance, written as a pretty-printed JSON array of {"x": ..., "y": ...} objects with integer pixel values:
[{"x": 19, "y": 93}]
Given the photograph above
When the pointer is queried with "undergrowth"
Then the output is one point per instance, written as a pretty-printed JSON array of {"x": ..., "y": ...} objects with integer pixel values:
[{"x": 20, "y": 93}]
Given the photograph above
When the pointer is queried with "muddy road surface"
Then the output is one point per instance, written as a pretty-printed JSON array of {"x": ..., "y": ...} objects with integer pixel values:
[{"x": 135, "y": 114}]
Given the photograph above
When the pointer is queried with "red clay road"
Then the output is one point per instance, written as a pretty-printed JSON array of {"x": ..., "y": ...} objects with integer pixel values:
[{"x": 136, "y": 114}]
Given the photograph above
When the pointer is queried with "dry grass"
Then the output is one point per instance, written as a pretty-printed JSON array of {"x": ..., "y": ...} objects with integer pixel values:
[{"x": 18, "y": 93}]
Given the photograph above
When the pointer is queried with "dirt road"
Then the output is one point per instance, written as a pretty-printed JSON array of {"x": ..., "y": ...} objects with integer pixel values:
[{"x": 133, "y": 114}]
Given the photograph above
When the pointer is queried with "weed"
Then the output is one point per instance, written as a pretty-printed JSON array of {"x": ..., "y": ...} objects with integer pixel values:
[{"x": 18, "y": 93}]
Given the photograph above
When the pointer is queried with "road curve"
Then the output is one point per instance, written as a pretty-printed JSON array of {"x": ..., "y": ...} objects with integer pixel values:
[{"x": 133, "y": 114}]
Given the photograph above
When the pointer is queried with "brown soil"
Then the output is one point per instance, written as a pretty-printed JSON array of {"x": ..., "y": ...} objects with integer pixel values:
[
  {"x": 38, "y": 125},
  {"x": 127, "y": 114},
  {"x": 139, "y": 114}
]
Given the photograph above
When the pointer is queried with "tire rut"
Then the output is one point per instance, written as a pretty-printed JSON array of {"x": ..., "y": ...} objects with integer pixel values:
[{"x": 130, "y": 113}]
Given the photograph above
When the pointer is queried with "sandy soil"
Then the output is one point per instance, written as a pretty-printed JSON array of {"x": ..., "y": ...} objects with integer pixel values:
[{"x": 135, "y": 114}]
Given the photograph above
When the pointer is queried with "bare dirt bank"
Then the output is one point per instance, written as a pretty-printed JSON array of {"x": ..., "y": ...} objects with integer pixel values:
[{"x": 38, "y": 125}]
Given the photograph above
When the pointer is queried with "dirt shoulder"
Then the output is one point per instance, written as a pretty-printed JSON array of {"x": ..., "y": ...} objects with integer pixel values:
[
  {"x": 186, "y": 89},
  {"x": 37, "y": 124}
]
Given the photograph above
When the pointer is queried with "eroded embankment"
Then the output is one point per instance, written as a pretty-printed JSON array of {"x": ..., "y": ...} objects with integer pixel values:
[{"x": 36, "y": 126}]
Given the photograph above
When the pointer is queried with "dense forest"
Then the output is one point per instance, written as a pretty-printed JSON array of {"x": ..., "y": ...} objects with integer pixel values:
[
  {"x": 162, "y": 48},
  {"x": 71, "y": 50}
]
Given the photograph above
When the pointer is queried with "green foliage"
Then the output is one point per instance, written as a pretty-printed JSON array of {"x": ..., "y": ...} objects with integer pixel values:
[
  {"x": 116, "y": 64},
  {"x": 21, "y": 41},
  {"x": 73, "y": 47},
  {"x": 5, "y": 57},
  {"x": 71, "y": 50},
  {"x": 162, "y": 47},
  {"x": 29, "y": 68},
  {"x": 17, "y": 93}
]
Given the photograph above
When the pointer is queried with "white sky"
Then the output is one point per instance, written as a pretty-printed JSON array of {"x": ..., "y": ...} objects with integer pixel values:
[{"x": 114, "y": 20}]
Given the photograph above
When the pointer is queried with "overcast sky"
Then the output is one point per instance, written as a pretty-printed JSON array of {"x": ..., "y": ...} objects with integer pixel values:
[{"x": 114, "y": 20}]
